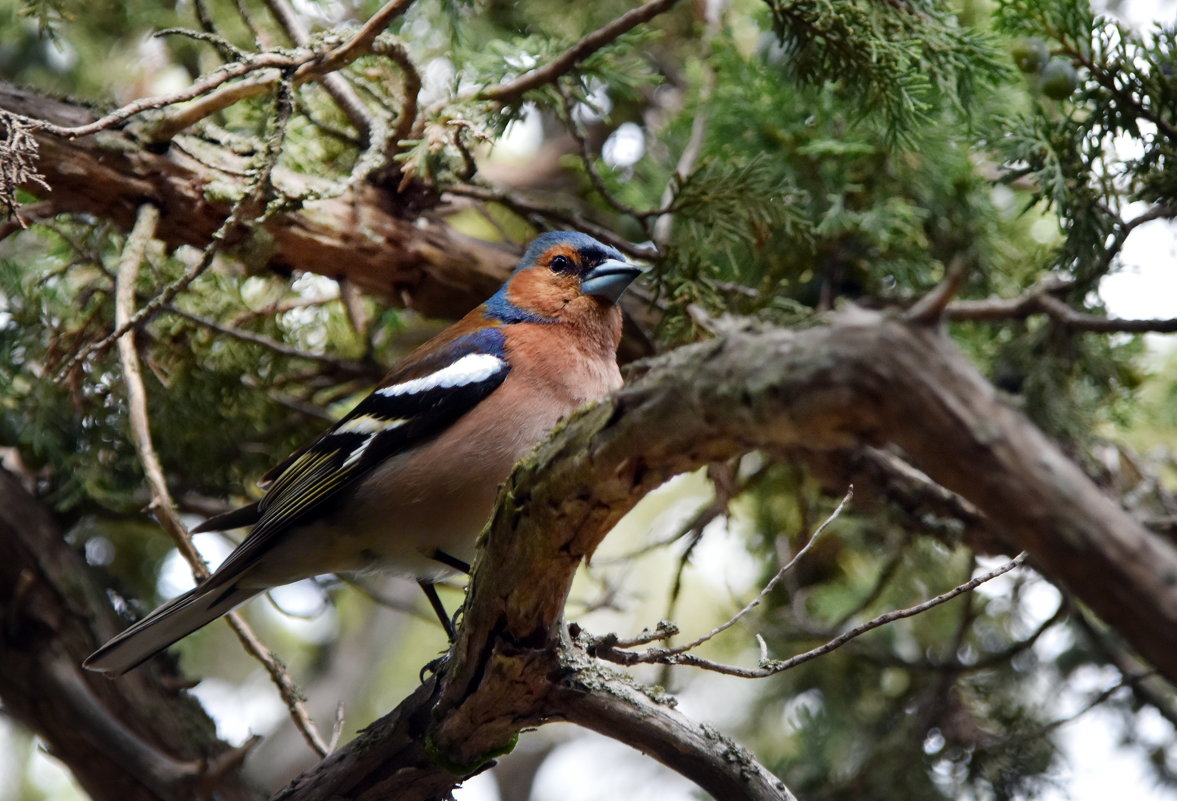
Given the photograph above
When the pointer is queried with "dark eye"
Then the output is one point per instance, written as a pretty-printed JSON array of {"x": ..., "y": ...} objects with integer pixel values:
[{"x": 561, "y": 264}]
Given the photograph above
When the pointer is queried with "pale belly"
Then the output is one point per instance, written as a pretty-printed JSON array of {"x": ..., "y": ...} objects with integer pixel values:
[{"x": 436, "y": 498}]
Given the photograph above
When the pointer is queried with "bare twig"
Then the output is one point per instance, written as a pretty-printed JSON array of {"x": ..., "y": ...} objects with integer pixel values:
[
  {"x": 1146, "y": 685},
  {"x": 1042, "y": 299},
  {"x": 244, "y": 205},
  {"x": 342, "y": 365},
  {"x": 772, "y": 667},
  {"x": 161, "y": 500},
  {"x": 333, "y": 83},
  {"x": 694, "y": 147},
  {"x": 663, "y": 653},
  {"x": 930, "y": 308},
  {"x": 566, "y": 61},
  {"x": 1160, "y": 211},
  {"x": 587, "y": 158},
  {"x": 545, "y": 214},
  {"x": 128, "y": 273}
]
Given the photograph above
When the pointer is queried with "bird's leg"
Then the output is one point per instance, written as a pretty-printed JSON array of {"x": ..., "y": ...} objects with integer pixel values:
[
  {"x": 453, "y": 562},
  {"x": 438, "y": 608},
  {"x": 430, "y": 591}
]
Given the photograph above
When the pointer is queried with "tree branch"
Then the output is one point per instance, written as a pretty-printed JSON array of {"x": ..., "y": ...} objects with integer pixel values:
[
  {"x": 161, "y": 498},
  {"x": 333, "y": 83},
  {"x": 1042, "y": 300},
  {"x": 112, "y": 736},
  {"x": 617, "y": 709},
  {"x": 566, "y": 61},
  {"x": 864, "y": 378},
  {"x": 421, "y": 264}
]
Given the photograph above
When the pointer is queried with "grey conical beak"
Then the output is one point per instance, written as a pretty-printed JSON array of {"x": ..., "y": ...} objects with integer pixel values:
[{"x": 609, "y": 279}]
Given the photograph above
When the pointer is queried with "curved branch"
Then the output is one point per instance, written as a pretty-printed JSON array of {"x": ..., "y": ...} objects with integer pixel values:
[
  {"x": 1043, "y": 299},
  {"x": 112, "y": 736},
  {"x": 864, "y": 378},
  {"x": 566, "y": 61},
  {"x": 616, "y": 709},
  {"x": 421, "y": 264}
]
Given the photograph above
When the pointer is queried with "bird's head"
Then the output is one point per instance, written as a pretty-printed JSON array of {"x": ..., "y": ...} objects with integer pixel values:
[{"x": 563, "y": 276}]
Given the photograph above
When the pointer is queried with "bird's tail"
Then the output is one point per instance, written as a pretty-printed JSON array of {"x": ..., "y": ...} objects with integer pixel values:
[{"x": 174, "y": 620}]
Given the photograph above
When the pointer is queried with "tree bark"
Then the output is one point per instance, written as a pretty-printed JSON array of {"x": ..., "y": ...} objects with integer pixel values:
[
  {"x": 864, "y": 378},
  {"x": 139, "y": 739},
  {"x": 405, "y": 258}
]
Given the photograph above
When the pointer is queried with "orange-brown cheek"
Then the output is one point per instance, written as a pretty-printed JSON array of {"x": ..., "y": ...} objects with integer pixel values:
[{"x": 543, "y": 292}]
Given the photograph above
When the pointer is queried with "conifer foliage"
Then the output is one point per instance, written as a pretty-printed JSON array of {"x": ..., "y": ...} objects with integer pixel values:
[{"x": 334, "y": 178}]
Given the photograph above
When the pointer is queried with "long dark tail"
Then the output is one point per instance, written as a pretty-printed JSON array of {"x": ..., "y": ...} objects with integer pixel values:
[{"x": 174, "y": 620}]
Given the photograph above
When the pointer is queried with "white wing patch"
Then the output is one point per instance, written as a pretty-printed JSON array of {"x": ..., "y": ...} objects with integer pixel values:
[
  {"x": 372, "y": 426},
  {"x": 470, "y": 369},
  {"x": 366, "y": 424}
]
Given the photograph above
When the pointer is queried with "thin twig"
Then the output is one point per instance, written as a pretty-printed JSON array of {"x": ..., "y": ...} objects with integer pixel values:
[
  {"x": 128, "y": 273},
  {"x": 694, "y": 147},
  {"x": 566, "y": 61},
  {"x": 545, "y": 214},
  {"x": 769, "y": 587},
  {"x": 162, "y": 503},
  {"x": 244, "y": 204},
  {"x": 588, "y": 159},
  {"x": 772, "y": 667},
  {"x": 610, "y": 646},
  {"x": 342, "y": 365},
  {"x": 333, "y": 83},
  {"x": 1160, "y": 211}
]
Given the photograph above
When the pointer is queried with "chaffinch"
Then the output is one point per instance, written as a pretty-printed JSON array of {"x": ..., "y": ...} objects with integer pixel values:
[{"x": 408, "y": 478}]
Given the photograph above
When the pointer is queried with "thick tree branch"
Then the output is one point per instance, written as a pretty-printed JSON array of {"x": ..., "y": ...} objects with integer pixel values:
[
  {"x": 865, "y": 378},
  {"x": 112, "y": 735},
  {"x": 418, "y": 263}
]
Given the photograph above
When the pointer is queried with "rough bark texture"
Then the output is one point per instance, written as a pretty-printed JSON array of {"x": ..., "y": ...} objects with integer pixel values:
[
  {"x": 134, "y": 739},
  {"x": 405, "y": 259},
  {"x": 861, "y": 381},
  {"x": 864, "y": 378}
]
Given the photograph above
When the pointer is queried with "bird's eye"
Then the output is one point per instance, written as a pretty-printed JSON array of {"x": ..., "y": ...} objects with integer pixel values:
[{"x": 561, "y": 264}]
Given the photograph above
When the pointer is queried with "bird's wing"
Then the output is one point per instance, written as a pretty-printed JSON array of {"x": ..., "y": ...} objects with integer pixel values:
[{"x": 413, "y": 405}]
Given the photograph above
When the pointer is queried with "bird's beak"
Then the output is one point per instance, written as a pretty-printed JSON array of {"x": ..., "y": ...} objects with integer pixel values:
[{"x": 609, "y": 279}]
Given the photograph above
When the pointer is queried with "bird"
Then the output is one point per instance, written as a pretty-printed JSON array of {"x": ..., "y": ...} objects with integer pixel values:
[{"x": 407, "y": 479}]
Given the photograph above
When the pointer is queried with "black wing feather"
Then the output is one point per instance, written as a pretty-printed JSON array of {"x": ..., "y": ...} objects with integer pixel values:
[{"x": 321, "y": 473}]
